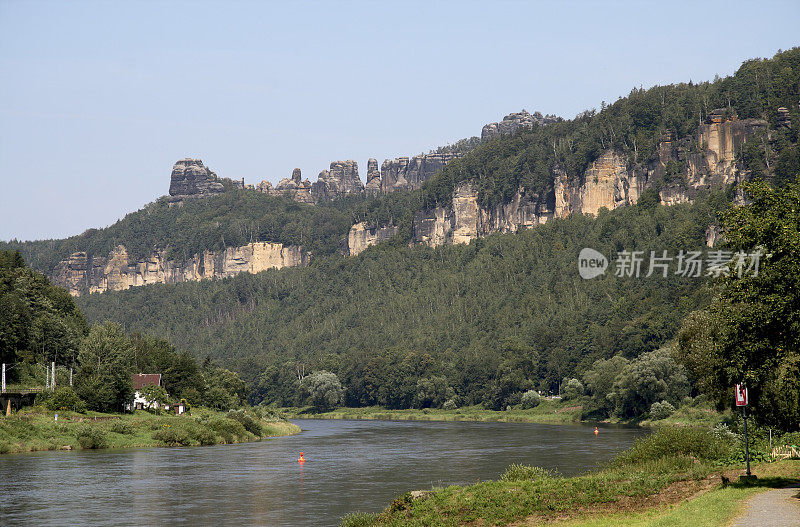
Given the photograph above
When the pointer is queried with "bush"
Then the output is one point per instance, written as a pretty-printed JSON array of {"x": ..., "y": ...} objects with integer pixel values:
[
  {"x": 173, "y": 436},
  {"x": 571, "y": 389},
  {"x": 675, "y": 442},
  {"x": 228, "y": 429},
  {"x": 661, "y": 410},
  {"x": 358, "y": 519},
  {"x": 530, "y": 399},
  {"x": 450, "y": 404},
  {"x": 91, "y": 437},
  {"x": 250, "y": 424},
  {"x": 518, "y": 472},
  {"x": 121, "y": 427},
  {"x": 203, "y": 435},
  {"x": 65, "y": 398}
]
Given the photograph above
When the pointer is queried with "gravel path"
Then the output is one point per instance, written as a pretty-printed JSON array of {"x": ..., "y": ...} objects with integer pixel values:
[{"x": 774, "y": 508}]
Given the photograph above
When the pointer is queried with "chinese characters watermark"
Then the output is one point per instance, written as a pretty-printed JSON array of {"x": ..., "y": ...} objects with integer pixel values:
[{"x": 692, "y": 264}]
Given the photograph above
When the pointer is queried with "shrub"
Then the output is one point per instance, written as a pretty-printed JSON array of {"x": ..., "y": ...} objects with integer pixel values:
[
  {"x": 228, "y": 429},
  {"x": 91, "y": 437},
  {"x": 661, "y": 410},
  {"x": 65, "y": 398},
  {"x": 450, "y": 404},
  {"x": 173, "y": 436},
  {"x": 519, "y": 472},
  {"x": 530, "y": 399},
  {"x": 204, "y": 436},
  {"x": 571, "y": 389},
  {"x": 121, "y": 427},
  {"x": 675, "y": 442},
  {"x": 358, "y": 519},
  {"x": 250, "y": 424}
]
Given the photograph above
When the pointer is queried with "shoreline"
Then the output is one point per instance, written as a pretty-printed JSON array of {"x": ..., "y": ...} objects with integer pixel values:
[
  {"x": 546, "y": 413},
  {"x": 37, "y": 430}
]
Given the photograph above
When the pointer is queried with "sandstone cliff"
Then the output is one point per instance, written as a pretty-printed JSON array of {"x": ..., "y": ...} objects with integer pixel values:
[
  {"x": 83, "y": 272},
  {"x": 678, "y": 170},
  {"x": 191, "y": 179}
]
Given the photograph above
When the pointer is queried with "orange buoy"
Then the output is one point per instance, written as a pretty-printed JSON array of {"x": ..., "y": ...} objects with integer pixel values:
[
  {"x": 596, "y": 431},
  {"x": 301, "y": 459}
]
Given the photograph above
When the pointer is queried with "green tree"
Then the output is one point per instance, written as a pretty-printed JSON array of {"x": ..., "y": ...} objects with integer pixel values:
[
  {"x": 154, "y": 395},
  {"x": 653, "y": 377},
  {"x": 751, "y": 334},
  {"x": 323, "y": 389},
  {"x": 106, "y": 364},
  {"x": 600, "y": 381}
]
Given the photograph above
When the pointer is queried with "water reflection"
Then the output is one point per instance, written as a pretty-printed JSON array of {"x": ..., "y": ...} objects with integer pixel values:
[{"x": 351, "y": 465}]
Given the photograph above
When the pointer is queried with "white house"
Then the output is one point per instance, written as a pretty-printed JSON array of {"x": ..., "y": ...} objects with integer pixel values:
[{"x": 140, "y": 380}]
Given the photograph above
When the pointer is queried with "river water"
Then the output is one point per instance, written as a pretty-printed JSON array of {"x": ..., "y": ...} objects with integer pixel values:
[{"x": 351, "y": 465}]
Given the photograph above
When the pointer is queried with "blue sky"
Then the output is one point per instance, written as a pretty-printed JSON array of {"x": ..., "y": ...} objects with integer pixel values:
[{"x": 101, "y": 98}]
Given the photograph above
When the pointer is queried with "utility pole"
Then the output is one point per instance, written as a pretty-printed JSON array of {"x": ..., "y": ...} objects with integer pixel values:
[
  {"x": 4, "y": 377},
  {"x": 746, "y": 447},
  {"x": 70, "y": 377},
  {"x": 47, "y": 376},
  {"x": 53, "y": 383}
]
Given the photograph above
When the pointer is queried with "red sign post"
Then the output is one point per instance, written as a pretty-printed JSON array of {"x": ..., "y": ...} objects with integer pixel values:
[
  {"x": 741, "y": 395},
  {"x": 741, "y": 400}
]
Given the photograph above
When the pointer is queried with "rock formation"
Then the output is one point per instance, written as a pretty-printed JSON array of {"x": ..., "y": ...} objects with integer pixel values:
[
  {"x": 294, "y": 188},
  {"x": 341, "y": 179},
  {"x": 409, "y": 174},
  {"x": 83, "y": 272},
  {"x": 373, "y": 186},
  {"x": 513, "y": 122},
  {"x": 191, "y": 179},
  {"x": 360, "y": 236},
  {"x": 678, "y": 169}
]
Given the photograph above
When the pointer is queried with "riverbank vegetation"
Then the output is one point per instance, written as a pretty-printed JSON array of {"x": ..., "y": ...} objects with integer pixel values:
[
  {"x": 645, "y": 482},
  {"x": 698, "y": 412},
  {"x": 36, "y": 428}
]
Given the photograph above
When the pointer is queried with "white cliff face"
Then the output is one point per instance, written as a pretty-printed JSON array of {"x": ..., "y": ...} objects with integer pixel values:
[
  {"x": 360, "y": 236},
  {"x": 81, "y": 272}
]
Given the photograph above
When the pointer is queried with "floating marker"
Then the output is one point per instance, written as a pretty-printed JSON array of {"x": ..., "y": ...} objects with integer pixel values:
[
  {"x": 301, "y": 459},
  {"x": 596, "y": 431}
]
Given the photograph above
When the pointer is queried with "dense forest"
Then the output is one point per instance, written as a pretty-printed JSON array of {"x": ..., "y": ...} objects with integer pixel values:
[
  {"x": 481, "y": 323},
  {"x": 495, "y": 316},
  {"x": 41, "y": 325}
]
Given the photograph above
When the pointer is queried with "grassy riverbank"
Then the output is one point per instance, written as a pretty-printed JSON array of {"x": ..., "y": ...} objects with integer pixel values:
[
  {"x": 36, "y": 429},
  {"x": 673, "y": 477},
  {"x": 549, "y": 411}
]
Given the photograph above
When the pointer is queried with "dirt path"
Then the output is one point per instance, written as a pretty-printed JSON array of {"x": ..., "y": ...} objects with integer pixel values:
[{"x": 774, "y": 508}]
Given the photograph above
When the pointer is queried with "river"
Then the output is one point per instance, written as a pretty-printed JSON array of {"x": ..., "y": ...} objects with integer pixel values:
[{"x": 351, "y": 465}]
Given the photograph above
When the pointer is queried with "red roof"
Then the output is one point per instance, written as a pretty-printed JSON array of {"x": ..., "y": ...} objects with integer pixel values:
[{"x": 143, "y": 379}]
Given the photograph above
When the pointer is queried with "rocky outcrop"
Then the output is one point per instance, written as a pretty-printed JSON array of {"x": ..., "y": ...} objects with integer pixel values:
[
  {"x": 361, "y": 236},
  {"x": 342, "y": 178},
  {"x": 82, "y": 272},
  {"x": 410, "y": 173},
  {"x": 373, "y": 186},
  {"x": 678, "y": 169},
  {"x": 514, "y": 121},
  {"x": 294, "y": 188},
  {"x": 467, "y": 220},
  {"x": 191, "y": 179}
]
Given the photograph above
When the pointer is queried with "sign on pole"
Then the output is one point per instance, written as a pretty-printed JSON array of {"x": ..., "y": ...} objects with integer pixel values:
[{"x": 741, "y": 395}]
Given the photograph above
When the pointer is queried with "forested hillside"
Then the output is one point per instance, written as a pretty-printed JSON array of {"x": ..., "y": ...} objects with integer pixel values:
[
  {"x": 485, "y": 320},
  {"x": 632, "y": 125}
]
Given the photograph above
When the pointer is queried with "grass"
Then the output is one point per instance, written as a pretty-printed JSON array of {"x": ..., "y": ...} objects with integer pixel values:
[
  {"x": 546, "y": 412},
  {"x": 711, "y": 509},
  {"x": 653, "y": 483},
  {"x": 36, "y": 429}
]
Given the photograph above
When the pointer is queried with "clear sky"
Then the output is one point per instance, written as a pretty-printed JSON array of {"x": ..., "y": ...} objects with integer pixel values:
[{"x": 99, "y": 99}]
